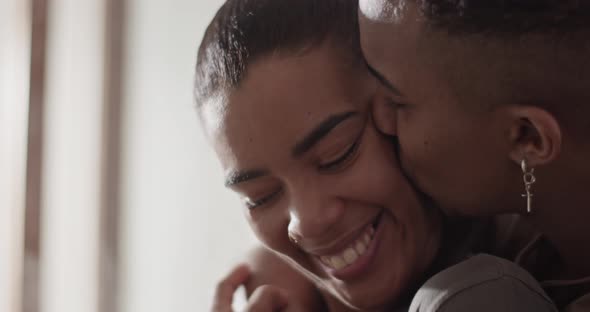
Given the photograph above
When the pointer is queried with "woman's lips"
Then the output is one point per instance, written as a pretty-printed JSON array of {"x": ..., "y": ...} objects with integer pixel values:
[
  {"x": 351, "y": 253},
  {"x": 354, "y": 259}
]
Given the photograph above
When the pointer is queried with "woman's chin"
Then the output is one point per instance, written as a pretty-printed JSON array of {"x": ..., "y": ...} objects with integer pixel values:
[
  {"x": 388, "y": 278},
  {"x": 385, "y": 293},
  {"x": 375, "y": 302}
]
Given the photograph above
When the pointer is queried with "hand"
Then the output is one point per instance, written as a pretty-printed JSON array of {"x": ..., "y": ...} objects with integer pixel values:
[
  {"x": 266, "y": 298},
  {"x": 224, "y": 293}
]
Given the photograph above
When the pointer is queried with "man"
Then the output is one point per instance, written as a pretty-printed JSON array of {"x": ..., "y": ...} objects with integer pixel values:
[{"x": 489, "y": 100}]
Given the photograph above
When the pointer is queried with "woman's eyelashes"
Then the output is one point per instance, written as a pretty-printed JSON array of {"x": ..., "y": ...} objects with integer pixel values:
[
  {"x": 255, "y": 203},
  {"x": 342, "y": 160},
  {"x": 334, "y": 165}
]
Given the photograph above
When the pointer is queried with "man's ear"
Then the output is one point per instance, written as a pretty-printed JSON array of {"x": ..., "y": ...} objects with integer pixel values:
[
  {"x": 384, "y": 114},
  {"x": 535, "y": 135}
]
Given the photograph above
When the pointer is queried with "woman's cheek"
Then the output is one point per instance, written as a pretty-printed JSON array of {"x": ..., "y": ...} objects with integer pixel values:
[{"x": 269, "y": 230}]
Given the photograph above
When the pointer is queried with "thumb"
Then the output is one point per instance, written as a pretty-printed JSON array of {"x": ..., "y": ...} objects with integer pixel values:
[{"x": 225, "y": 290}]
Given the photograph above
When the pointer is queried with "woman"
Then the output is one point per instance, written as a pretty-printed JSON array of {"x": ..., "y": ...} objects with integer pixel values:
[{"x": 285, "y": 98}]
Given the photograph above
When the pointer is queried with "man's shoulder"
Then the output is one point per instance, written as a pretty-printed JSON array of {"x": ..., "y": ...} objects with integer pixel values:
[{"x": 482, "y": 281}]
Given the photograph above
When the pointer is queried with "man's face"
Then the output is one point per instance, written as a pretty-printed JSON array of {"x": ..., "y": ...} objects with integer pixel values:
[
  {"x": 452, "y": 146},
  {"x": 297, "y": 143}
]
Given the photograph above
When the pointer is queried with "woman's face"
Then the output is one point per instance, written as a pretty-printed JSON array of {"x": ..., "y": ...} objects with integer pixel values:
[{"x": 296, "y": 141}]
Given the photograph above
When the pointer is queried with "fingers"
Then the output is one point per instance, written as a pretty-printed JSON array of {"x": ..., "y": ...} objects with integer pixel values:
[
  {"x": 267, "y": 298},
  {"x": 225, "y": 290}
]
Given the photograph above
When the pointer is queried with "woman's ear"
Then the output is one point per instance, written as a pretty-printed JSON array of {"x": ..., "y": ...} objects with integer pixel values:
[
  {"x": 535, "y": 135},
  {"x": 384, "y": 114}
]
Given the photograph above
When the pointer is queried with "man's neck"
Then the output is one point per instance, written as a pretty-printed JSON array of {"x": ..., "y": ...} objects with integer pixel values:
[{"x": 564, "y": 219}]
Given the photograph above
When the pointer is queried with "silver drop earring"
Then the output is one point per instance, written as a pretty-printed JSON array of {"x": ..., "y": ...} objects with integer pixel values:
[
  {"x": 293, "y": 239},
  {"x": 529, "y": 179}
]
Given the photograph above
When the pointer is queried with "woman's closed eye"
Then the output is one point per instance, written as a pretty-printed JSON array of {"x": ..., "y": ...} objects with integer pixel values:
[
  {"x": 257, "y": 202},
  {"x": 342, "y": 160}
]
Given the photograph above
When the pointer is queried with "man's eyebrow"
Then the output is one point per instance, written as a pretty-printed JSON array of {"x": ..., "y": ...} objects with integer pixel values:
[
  {"x": 238, "y": 177},
  {"x": 320, "y": 132},
  {"x": 382, "y": 79}
]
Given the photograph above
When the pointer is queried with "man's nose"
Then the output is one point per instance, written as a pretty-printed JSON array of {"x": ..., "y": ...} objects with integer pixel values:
[{"x": 384, "y": 112}]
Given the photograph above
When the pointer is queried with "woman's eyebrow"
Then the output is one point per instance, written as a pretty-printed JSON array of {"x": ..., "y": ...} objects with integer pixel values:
[
  {"x": 320, "y": 132},
  {"x": 302, "y": 147},
  {"x": 237, "y": 177}
]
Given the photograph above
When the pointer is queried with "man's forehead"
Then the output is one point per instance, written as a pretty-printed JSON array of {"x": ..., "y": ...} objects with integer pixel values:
[{"x": 383, "y": 11}]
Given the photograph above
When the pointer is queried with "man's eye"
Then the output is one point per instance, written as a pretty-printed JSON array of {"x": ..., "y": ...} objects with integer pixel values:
[
  {"x": 251, "y": 203},
  {"x": 395, "y": 104},
  {"x": 342, "y": 159}
]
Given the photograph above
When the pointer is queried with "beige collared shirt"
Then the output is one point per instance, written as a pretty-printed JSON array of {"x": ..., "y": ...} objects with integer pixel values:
[
  {"x": 569, "y": 295},
  {"x": 482, "y": 283}
]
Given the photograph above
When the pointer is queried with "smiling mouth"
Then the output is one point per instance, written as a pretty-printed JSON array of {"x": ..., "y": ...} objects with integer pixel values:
[{"x": 350, "y": 254}]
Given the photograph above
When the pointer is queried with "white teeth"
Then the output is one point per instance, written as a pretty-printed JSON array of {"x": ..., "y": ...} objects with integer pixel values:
[
  {"x": 350, "y": 256},
  {"x": 360, "y": 248},
  {"x": 337, "y": 262}
]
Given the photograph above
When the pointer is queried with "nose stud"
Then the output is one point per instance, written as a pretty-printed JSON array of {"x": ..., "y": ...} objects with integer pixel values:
[{"x": 293, "y": 239}]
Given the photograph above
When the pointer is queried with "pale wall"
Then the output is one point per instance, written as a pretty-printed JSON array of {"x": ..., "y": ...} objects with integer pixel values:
[{"x": 181, "y": 228}]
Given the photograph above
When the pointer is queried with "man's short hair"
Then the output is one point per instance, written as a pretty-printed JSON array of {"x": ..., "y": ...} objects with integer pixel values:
[{"x": 507, "y": 16}]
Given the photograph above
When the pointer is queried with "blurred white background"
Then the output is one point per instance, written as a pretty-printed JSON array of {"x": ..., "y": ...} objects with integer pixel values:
[
  {"x": 182, "y": 228},
  {"x": 178, "y": 229}
]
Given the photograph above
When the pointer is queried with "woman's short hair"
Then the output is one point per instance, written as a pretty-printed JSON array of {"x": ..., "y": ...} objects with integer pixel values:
[{"x": 243, "y": 31}]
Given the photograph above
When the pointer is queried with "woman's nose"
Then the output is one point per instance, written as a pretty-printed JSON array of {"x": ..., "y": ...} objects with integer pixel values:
[{"x": 313, "y": 214}]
